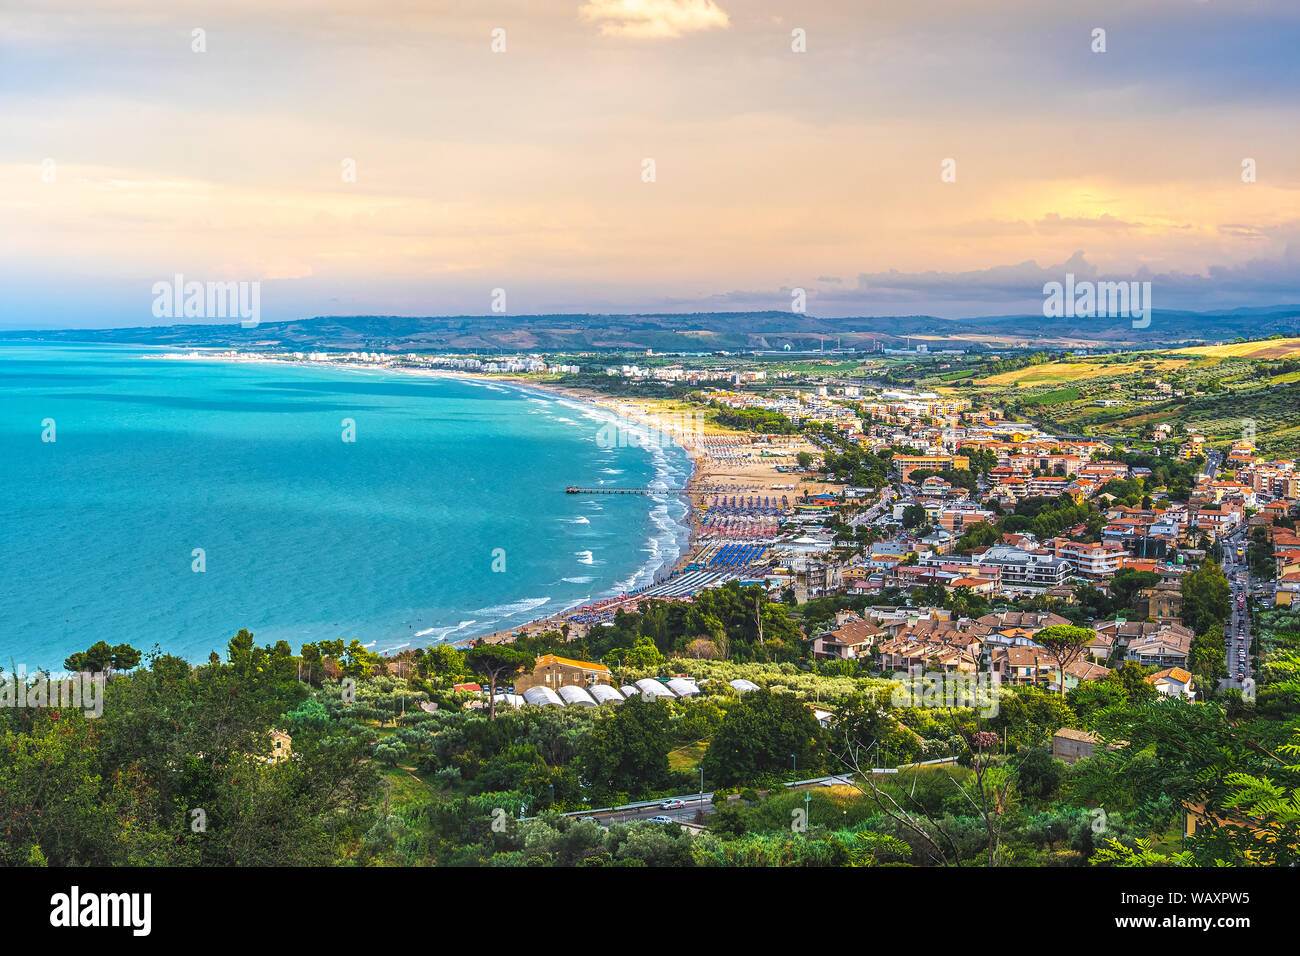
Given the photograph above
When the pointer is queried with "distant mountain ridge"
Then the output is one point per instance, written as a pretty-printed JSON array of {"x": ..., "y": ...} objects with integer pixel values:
[{"x": 692, "y": 332}]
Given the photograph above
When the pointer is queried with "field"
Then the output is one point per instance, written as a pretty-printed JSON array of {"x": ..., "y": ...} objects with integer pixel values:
[
  {"x": 1239, "y": 389},
  {"x": 1267, "y": 349},
  {"x": 1060, "y": 373}
]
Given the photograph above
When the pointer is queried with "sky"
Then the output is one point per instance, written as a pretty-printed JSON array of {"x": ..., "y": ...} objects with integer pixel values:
[{"x": 644, "y": 155}]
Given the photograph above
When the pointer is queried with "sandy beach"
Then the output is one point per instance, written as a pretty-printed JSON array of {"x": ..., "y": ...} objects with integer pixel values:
[{"x": 723, "y": 461}]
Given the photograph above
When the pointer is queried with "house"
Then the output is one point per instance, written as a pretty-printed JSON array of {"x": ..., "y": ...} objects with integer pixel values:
[
  {"x": 1023, "y": 665},
  {"x": 281, "y": 746},
  {"x": 555, "y": 672},
  {"x": 1173, "y": 682},
  {"x": 1150, "y": 643},
  {"x": 1018, "y": 627},
  {"x": 1091, "y": 560},
  {"x": 1100, "y": 647},
  {"x": 850, "y": 641},
  {"x": 1013, "y": 567},
  {"x": 1164, "y": 601},
  {"x": 1072, "y": 745},
  {"x": 1167, "y": 646},
  {"x": 1081, "y": 672}
]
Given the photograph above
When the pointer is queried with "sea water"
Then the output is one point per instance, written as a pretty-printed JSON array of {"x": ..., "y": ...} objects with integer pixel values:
[{"x": 180, "y": 500}]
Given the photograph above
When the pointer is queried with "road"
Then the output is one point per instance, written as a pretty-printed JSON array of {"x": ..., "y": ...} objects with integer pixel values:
[
  {"x": 1237, "y": 638},
  {"x": 695, "y": 803},
  {"x": 877, "y": 510},
  {"x": 1213, "y": 459}
]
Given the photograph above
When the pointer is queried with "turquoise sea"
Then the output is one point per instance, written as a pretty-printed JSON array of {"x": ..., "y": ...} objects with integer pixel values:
[{"x": 390, "y": 538}]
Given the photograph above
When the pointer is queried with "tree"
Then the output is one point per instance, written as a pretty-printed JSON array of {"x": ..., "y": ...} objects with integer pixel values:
[
  {"x": 1207, "y": 597},
  {"x": 100, "y": 657},
  {"x": 764, "y": 733},
  {"x": 1039, "y": 775},
  {"x": 913, "y": 516},
  {"x": 1065, "y": 643},
  {"x": 444, "y": 660},
  {"x": 1126, "y": 584},
  {"x": 494, "y": 662},
  {"x": 1207, "y": 658},
  {"x": 1167, "y": 755},
  {"x": 1131, "y": 678},
  {"x": 641, "y": 655},
  {"x": 628, "y": 749}
]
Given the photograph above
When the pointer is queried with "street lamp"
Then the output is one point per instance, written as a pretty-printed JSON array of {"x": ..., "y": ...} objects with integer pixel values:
[{"x": 796, "y": 764}]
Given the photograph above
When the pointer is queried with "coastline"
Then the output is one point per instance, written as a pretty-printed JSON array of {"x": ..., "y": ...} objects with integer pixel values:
[
  {"x": 688, "y": 525},
  {"x": 684, "y": 428}
]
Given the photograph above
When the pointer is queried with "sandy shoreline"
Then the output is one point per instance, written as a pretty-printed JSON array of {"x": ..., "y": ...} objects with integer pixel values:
[{"x": 745, "y": 475}]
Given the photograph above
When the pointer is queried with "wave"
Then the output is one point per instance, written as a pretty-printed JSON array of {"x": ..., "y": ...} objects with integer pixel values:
[
  {"x": 587, "y": 579},
  {"x": 518, "y": 607},
  {"x": 581, "y": 519},
  {"x": 440, "y": 633}
]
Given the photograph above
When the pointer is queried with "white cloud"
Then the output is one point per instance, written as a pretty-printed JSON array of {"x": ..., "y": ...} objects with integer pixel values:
[{"x": 653, "y": 18}]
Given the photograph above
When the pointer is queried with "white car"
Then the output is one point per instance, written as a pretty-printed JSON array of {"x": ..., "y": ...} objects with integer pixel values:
[
  {"x": 661, "y": 819},
  {"x": 672, "y": 804}
]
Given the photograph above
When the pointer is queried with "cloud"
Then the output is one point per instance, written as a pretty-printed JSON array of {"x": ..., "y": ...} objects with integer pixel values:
[
  {"x": 1017, "y": 289},
  {"x": 653, "y": 18}
]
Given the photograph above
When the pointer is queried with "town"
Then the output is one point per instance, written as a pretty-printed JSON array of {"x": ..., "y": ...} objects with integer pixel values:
[{"x": 887, "y": 586}]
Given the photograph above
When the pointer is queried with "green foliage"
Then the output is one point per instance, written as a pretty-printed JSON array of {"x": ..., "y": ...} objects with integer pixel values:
[
  {"x": 1207, "y": 597},
  {"x": 729, "y": 617},
  {"x": 101, "y": 657},
  {"x": 764, "y": 734},
  {"x": 753, "y": 419},
  {"x": 628, "y": 749}
]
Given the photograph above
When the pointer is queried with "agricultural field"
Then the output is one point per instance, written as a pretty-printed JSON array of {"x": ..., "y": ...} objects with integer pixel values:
[
  {"x": 1266, "y": 349},
  {"x": 1060, "y": 373},
  {"x": 1228, "y": 391}
]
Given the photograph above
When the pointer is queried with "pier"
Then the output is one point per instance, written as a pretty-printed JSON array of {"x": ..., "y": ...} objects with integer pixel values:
[
  {"x": 575, "y": 490},
  {"x": 615, "y": 490}
]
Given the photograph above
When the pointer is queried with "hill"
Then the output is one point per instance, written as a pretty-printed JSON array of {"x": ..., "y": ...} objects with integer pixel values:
[{"x": 696, "y": 332}]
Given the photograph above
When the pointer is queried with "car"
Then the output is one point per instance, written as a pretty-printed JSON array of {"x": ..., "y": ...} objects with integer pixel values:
[
  {"x": 672, "y": 804},
  {"x": 661, "y": 819}
]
